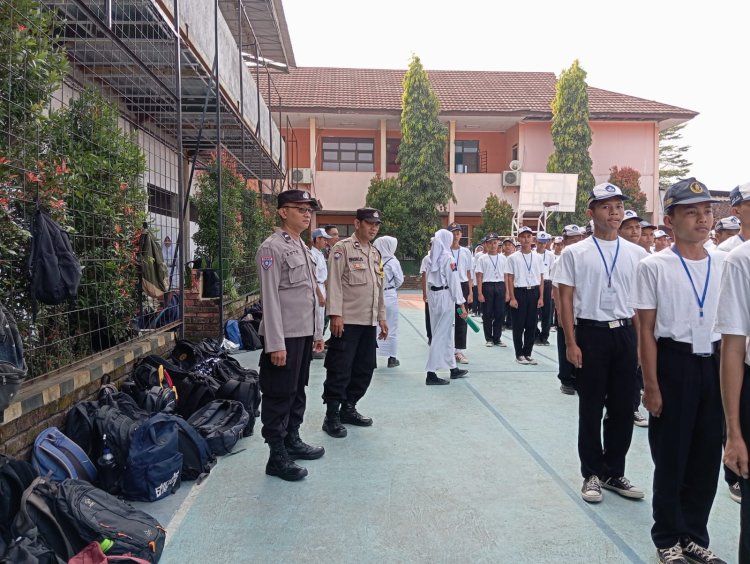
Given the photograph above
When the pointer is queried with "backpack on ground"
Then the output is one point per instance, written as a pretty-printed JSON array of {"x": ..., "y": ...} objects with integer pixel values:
[
  {"x": 93, "y": 554},
  {"x": 152, "y": 388},
  {"x": 240, "y": 384},
  {"x": 13, "y": 369},
  {"x": 197, "y": 459},
  {"x": 195, "y": 391},
  {"x": 54, "y": 269},
  {"x": 221, "y": 423},
  {"x": 15, "y": 477},
  {"x": 27, "y": 550},
  {"x": 154, "y": 462},
  {"x": 185, "y": 354},
  {"x": 249, "y": 335},
  {"x": 119, "y": 428},
  {"x": 56, "y": 456}
]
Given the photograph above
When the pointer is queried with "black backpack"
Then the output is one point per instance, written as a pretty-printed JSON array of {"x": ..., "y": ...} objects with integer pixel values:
[
  {"x": 249, "y": 335},
  {"x": 221, "y": 423},
  {"x": 152, "y": 388},
  {"x": 15, "y": 477},
  {"x": 197, "y": 459},
  {"x": 185, "y": 354},
  {"x": 154, "y": 462},
  {"x": 54, "y": 269},
  {"x": 240, "y": 384},
  {"x": 13, "y": 369},
  {"x": 27, "y": 550}
]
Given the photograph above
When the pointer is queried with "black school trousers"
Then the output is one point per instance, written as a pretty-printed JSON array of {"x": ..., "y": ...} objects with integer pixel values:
[
  {"x": 545, "y": 313},
  {"x": 493, "y": 314},
  {"x": 460, "y": 325},
  {"x": 606, "y": 380},
  {"x": 283, "y": 388},
  {"x": 524, "y": 319},
  {"x": 566, "y": 372},
  {"x": 350, "y": 362},
  {"x": 685, "y": 443}
]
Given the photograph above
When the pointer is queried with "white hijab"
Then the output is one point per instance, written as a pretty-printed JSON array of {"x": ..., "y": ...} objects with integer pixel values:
[
  {"x": 386, "y": 245},
  {"x": 440, "y": 253}
]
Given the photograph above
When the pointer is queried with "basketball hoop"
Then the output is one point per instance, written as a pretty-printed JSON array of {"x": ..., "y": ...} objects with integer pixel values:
[{"x": 550, "y": 204}]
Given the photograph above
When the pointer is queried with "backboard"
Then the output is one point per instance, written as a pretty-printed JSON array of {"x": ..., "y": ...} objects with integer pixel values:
[{"x": 538, "y": 188}]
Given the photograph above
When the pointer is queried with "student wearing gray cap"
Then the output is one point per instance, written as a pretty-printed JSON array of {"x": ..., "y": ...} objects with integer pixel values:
[
  {"x": 595, "y": 279},
  {"x": 676, "y": 295},
  {"x": 739, "y": 197}
]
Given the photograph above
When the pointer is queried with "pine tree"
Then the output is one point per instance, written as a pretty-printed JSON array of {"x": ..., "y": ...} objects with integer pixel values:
[
  {"x": 571, "y": 136},
  {"x": 673, "y": 163}
]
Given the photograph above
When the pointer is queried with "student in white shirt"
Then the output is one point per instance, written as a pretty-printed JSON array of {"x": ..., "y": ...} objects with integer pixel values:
[
  {"x": 726, "y": 228},
  {"x": 493, "y": 293},
  {"x": 676, "y": 295},
  {"x": 475, "y": 304},
  {"x": 525, "y": 286},
  {"x": 646, "y": 242},
  {"x": 320, "y": 239},
  {"x": 545, "y": 313},
  {"x": 739, "y": 197},
  {"x": 661, "y": 240},
  {"x": 393, "y": 277},
  {"x": 462, "y": 258},
  {"x": 594, "y": 280}
]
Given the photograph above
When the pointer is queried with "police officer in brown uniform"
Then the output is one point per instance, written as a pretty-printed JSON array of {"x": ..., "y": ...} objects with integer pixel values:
[
  {"x": 290, "y": 334},
  {"x": 356, "y": 307}
]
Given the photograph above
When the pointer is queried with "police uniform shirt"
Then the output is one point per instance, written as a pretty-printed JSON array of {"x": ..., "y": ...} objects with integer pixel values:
[
  {"x": 526, "y": 269},
  {"x": 733, "y": 242},
  {"x": 662, "y": 284},
  {"x": 287, "y": 290},
  {"x": 492, "y": 267},
  {"x": 462, "y": 258},
  {"x": 321, "y": 268},
  {"x": 548, "y": 259},
  {"x": 581, "y": 267},
  {"x": 355, "y": 283},
  {"x": 733, "y": 311}
]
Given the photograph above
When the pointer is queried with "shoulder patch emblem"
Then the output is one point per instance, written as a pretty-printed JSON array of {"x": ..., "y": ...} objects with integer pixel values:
[
  {"x": 266, "y": 262},
  {"x": 337, "y": 255}
]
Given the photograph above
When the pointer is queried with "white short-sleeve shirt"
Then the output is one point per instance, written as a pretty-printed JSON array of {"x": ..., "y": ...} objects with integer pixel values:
[
  {"x": 462, "y": 258},
  {"x": 492, "y": 267},
  {"x": 732, "y": 243},
  {"x": 733, "y": 311},
  {"x": 526, "y": 269},
  {"x": 662, "y": 284},
  {"x": 425, "y": 266},
  {"x": 548, "y": 259},
  {"x": 581, "y": 266}
]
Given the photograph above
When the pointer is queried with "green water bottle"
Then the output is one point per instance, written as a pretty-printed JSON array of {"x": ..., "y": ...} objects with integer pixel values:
[{"x": 471, "y": 323}]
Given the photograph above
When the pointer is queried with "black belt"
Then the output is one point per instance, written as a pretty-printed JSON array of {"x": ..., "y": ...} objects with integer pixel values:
[
  {"x": 686, "y": 348},
  {"x": 390, "y": 287},
  {"x": 614, "y": 324},
  {"x": 526, "y": 287},
  {"x": 438, "y": 288}
]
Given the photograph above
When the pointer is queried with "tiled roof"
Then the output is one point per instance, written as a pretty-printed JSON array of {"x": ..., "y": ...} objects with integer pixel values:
[{"x": 475, "y": 92}]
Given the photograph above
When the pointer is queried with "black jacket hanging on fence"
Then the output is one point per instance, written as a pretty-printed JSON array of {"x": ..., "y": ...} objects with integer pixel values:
[{"x": 153, "y": 270}]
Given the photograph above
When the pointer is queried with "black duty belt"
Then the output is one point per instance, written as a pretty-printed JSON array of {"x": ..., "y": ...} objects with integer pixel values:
[
  {"x": 438, "y": 288},
  {"x": 686, "y": 348},
  {"x": 614, "y": 324}
]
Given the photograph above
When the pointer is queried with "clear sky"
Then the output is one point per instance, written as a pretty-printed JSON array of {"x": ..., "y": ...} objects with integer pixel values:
[{"x": 695, "y": 55}]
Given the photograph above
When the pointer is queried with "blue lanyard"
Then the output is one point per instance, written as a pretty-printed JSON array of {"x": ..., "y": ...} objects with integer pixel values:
[
  {"x": 494, "y": 264},
  {"x": 700, "y": 300},
  {"x": 741, "y": 237},
  {"x": 614, "y": 260},
  {"x": 528, "y": 264}
]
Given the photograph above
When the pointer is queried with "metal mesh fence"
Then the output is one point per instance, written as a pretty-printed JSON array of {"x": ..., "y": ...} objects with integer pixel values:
[{"x": 105, "y": 117}]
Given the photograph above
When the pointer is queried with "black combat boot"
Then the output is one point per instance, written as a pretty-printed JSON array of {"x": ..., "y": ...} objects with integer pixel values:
[
  {"x": 297, "y": 449},
  {"x": 280, "y": 465},
  {"x": 458, "y": 373},
  {"x": 433, "y": 380},
  {"x": 349, "y": 414},
  {"x": 332, "y": 423}
]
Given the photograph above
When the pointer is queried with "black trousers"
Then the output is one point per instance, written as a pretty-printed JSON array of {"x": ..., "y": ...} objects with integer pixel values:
[
  {"x": 545, "y": 313},
  {"x": 350, "y": 362},
  {"x": 283, "y": 388},
  {"x": 460, "y": 325},
  {"x": 744, "y": 552},
  {"x": 494, "y": 310},
  {"x": 638, "y": 388},
  {"x": 427, "y": 323},
  {"x": 685, "y": 443},
  {"x": 508, "y": 316},
  {"x": 606, "y": 379},
  {"x": 476, "y": 305},
  {"x": 524, "y": 320},
  {"x": 566, "y": 372}
]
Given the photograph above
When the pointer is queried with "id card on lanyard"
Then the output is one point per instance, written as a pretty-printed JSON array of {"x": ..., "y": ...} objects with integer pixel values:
[
  {"x": 700, "y": 331},
  {"x": 608, "y": 297}
]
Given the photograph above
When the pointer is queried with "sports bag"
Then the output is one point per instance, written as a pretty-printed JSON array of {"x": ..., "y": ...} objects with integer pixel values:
[
  {"x": 56, "y": 456},
  {"x": 240, "y": 384},
  {"x": 249, "y": 335},
  {"x": 154, "y": 461},
  {"x": 197, "y": 458},
  {"x": 13, "y": 369},
  {"x": 15, "y": 477},
  {"x": 54, "y": 269},
  {"x": 221, "y": 423}
]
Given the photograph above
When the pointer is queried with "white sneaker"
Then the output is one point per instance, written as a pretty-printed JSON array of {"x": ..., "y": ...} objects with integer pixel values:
[
  {"x": 489, "y": 344},
  {"x": 461, "y": 358},
  {"x": 591, "y": 490},
  {"x": 639, "y": 420},
  {"x": 530, "y": 360},
  {"x": 521, "y": 360}
]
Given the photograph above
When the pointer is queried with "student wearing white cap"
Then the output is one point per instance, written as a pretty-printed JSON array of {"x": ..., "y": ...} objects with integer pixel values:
[
  {"x": 726, "y": 228},
  {"x": 594, "y": 280},
  {"x": 493, "y": 293},
  {"x": 661, "y": 240},
  {"x": 545, "y": 313},
  {"x": 320, "y": 240},
  {"x": 525, "y": 284},
  {"x": 630, "y": 228},
  {"x": 739, "y": 197},
  {"x": 508, "y": 247},
  {"x": 646, "y": 242},
  {"x": 676, "y": 297},
  {"x": 462, "y": 258},
  {"x": 393, "y": 277}
]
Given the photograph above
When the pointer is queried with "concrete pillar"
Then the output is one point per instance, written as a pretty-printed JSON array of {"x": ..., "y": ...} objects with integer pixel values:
[
  {"x": 655, "y": 197},
  {"x": 383, "y": 147},
  {"x": 313, "y": 146},
  {"x": 452, "y": 164}
]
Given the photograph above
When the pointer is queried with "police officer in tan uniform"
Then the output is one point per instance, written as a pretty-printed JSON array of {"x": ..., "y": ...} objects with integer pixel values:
[
  {"x": 356, "y": 307},
  {"x": 290, "y": 334}
]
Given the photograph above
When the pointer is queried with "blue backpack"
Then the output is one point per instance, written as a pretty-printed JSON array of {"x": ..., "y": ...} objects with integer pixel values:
[
  {"x": 56, "y": 454},
  {"x": 154, "y": 460},
  {"x": 232, "y": 331}
]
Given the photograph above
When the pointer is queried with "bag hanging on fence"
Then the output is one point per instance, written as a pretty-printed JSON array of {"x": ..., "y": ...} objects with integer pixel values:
[
  {"x": 221, "y": 423},
  {"x": 56, "y": 456},
  {"x": 13, "y": 369},
  {"x": 154, "y": 275},
  {"x": 54, "y": 269}
]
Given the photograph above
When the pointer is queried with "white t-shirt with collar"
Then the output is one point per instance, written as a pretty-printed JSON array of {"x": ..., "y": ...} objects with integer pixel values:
[
  {"x": 662, "y": 284},
  {"x": 733, "y": 311},
  {"x": 732, "y": 243},
  {"x": 581, "y": 267},
  {"x": 526, "y": 269},
  {"x": 462, "y": 258},
  {"x": 492, "y": 267},
  {"x": 548, "y": 259}
]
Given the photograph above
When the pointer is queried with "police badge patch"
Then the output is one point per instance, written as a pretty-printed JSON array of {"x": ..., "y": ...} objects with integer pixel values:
[
  {"x": 266, "y": 262},
  {"x": 337, "y": 255}
]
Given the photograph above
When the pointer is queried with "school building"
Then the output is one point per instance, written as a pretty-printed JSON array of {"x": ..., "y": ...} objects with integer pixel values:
[{"x": 346, "y": 126}]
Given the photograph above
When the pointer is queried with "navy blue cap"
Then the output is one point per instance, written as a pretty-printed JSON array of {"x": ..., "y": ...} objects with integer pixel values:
[
  {"x": 296, "y": 196},
  {"x": 491, "y": 237},
  {"x": 739, "y": 194},
  {"x": 688, "y": 191},
  {"x": 454, "y": 227},
  {"x": 370, "y": 215}
]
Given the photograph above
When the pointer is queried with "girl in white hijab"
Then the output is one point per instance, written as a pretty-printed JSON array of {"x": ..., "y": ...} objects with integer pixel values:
[
  {"x": 444, "y": 294},
  {"x": 393, "y": 277}
]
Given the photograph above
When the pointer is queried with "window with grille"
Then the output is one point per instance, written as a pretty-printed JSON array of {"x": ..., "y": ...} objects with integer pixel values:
[{"x": 348, "y": 154}]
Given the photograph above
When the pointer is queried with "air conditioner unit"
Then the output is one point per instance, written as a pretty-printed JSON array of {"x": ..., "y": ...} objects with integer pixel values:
[
  {"x": 302, "y": 176},
  {"x": 512, "y": 178}
]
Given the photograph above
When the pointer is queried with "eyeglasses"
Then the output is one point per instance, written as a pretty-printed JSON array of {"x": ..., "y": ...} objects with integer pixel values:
[{"x": 301, "y": 209}]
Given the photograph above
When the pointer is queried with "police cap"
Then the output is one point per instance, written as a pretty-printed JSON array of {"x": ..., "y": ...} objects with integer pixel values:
[
  {"x": 370, "y": 215},
  {"x": 295, "y": 197}
]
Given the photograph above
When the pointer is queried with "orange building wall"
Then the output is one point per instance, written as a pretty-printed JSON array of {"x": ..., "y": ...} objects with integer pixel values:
[
  {"x": 492, "y": 142},
  {"x": 299, "y": 157}
]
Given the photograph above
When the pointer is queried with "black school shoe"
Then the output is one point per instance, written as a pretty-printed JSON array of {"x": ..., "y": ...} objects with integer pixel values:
[
  {"x": 458, "y": 373},
  {"x": 393, "y": 362},
  {"x": 433, "y": 380},
  {"x": 698, "y": 555}
]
